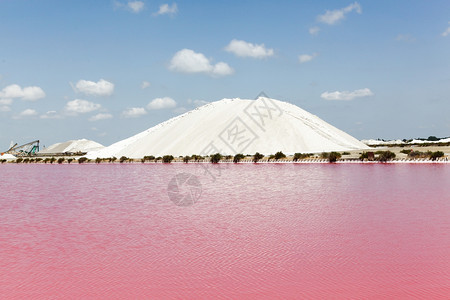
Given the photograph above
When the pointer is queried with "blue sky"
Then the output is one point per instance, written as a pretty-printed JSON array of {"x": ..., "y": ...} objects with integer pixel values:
[{"x": 106, "y": 70}]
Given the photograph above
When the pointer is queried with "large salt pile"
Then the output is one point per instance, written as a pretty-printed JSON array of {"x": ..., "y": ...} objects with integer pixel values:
[
  {"x": 73, "y": 146},
  {"x": 231, "y": 126},
  {"x": 7, "y": 156}
]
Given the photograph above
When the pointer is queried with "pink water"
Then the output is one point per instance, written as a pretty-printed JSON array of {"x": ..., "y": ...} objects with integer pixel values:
[{"x": 285, "y": 231}]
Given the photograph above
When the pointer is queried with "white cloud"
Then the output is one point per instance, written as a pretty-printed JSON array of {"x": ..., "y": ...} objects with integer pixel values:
[
  {"x": 145, "y": 84},
  {"x": 222, "y": 69},
  {"x": 166, "y": 9},
  {"x": 79, "y": 106},
  {"x": 4, "y": 108},
  {"x": 447, "y": 31},
  {"x": 28, "y": 113},
  {"x": 245, "y": 49},
  {"x": 306, "y": 57},
  {"x": 161, "y": 103},
  {"x": 32, "y": 93},
  {"x": 51, "y": 114},
  {"x": 331, "y": 17},
  {"x": 346, "y": 95},
  {"x": 5, "y": 101},
  {"x": 134, "y": 112},
  {"x": 135, "y": 6},
  {"x": 29, "y": 93},
  {"x": 99, "y": 88},
  {"x": 188, "y": 61},
  {"x": 314, "y": 30},
  {"x": 100, "y": 116}
]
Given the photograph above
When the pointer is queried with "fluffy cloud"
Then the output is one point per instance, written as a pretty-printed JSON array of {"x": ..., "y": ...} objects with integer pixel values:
[
  {"x": 447, "y": 31},
  {"x": 222, "y": 69},
  {"x": 188, "y": 61},
  {"x": 5, "y": 101},
  {"x": 4, "y": 108},
  {"x": 28, "y": 113},
  {"x": 134, "y": 112},
  {"x": 245, "y": 49},
  {"x": 135, "y": 6},
  {"x": 314, "y": 30},
  {"x": 79, "y": 106},
  {"x": 100, "y": 116},
  {"x": 51, "y": 114},
  {"x": 145, "y": 84},
  {"x": 306, "y": 57},
  {"x": 346, "y": 95},
  {"x": 29, "y": 93},
  {"x": 161, "y": 103},
  {"x": 331, "y": 17},
  {"x": 99, "y": 88},
  {"x": 166, "y": 9}
]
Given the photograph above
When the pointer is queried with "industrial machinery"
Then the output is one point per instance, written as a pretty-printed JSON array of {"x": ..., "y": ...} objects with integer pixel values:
[{"x": 28, "y": 149}]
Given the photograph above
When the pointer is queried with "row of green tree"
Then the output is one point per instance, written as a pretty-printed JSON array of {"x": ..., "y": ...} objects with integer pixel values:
[
  {"x": 414, "y": 154},
  {"x": 382, "y": 156}
]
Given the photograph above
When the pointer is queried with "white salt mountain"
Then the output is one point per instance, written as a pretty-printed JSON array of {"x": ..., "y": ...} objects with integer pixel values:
[
  {"x": 7, "y": 156},
  {"x": 232, "y": 126},
  {"x": 73, "y": 146}
]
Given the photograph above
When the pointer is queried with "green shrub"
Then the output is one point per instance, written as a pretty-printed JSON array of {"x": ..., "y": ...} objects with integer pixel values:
[
  {"x": 416, "y": 154},
  {"x": 279, "y": 155},
  {"x": 52, "y": 160},
  {"x": 61, "y": 160},
  {"x": 148, "y": 158},
  {"x": 333, "y": 157},
  {"x": 257, "y": 157},
  {"x": 386, "y": 156},
  {"x": 98, "y": 160},
  {"x": 38, "y": 159},
  {"x": 215, "y": 158},
  {"x": 186, "y": 159},
  {"x": 197, "y": 157},
  {"x": 237, "y": 158},
  {"x": 19, "y": 160},
  {"x": 123, "y": 159},
  {"x": 436, "y": 155},
  {"x": 324, "y": 155},
  {"x": 69, "y": 160},
  {"x": 167, "y": 159},
  {"x": 82, "y": 160},
  {"x": 364, "y": 156}
]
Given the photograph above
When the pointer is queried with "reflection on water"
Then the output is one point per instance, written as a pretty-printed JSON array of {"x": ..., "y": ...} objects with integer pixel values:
[{"x": 255, "y": 231}]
